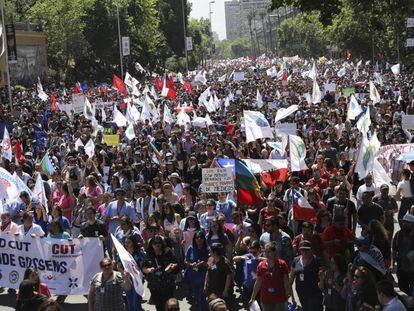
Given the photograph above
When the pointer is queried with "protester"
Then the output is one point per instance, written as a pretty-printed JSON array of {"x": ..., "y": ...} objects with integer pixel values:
[
  {"x": 105, "y": 292},
  {"x": 32, "y": 275},
  {"x": 28, "y": 299},
  {"x": 160, "y": 267}
]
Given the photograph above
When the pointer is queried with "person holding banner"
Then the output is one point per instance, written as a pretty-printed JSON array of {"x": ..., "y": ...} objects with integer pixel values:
[
  {"x": 105, "y": 291},
  {"x": 29, "y": 228},
  {"x": 7, "y": 225}
]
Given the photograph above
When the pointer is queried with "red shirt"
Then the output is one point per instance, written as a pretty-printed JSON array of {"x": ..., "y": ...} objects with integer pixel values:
[
  {"x": 332, "y": 233},
  {"x": 277, "y": 293},
  {"x": 266, "y": 213}
]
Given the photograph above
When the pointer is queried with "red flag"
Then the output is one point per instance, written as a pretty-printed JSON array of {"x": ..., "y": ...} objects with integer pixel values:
[
  {"x": 118, "y": 84},
  {"x": 158, "y": 84},
  {"x": 78, "y": 89},
  {"x": 18, "y": 152},
  {"x": 231, "y": 129},
  {"x": 187, "y": 87},
  {"x": 270, "y": 178},
  {"x": 170, "y": 83},
  {"x": 53, "y": 105},
  {"x": 171, "y": 93},
  {"x": 348, "y": 54}
]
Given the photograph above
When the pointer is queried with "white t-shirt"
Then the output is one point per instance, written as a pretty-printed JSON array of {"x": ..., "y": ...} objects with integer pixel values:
[
  {"x": 36, "y": 229},
  {"x": 365, "y": 188},
  {"x": 405, "y": 187}
]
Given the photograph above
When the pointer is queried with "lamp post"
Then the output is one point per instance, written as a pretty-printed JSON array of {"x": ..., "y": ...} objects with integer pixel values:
[
  {"x": 119, "y": 42},
  {"x": 211, "y": 28},
  {"x": 6, "y": 54},
  {"x": 185, "y": 36}
]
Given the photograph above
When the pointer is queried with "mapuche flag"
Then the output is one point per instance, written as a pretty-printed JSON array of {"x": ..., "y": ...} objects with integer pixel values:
[{"x": 248, "y": 191}]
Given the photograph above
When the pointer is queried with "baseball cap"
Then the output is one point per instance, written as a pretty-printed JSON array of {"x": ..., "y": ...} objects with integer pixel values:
[
  {"x": 306, "y": 245},
  {"x": 408, "y": 218},
  {"x": 384, "y": 186}
]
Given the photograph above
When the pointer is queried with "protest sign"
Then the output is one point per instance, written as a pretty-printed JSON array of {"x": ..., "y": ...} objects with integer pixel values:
[
  {"x": 78, "y": 102},
  {"x": 218, "y": 179},
  {"x": 111, "y": 140},
  {"x": 66, "y": 267},
  {"x": 330, "y": 87},
  {"x": 238, "y": 76},
  {"x": 407, "y": 122},
  {"x": 285, "y": 128},
  {"x": 102, "y": 104},
  {"x": 348, "y": 91}
]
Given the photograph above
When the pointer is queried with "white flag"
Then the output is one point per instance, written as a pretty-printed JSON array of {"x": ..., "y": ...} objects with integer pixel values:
[
  {"x": 132, "y": 113},
  {"x": 167, "y": 115},
  {"x": 6, "y": 145},
  {"x": 285, "y": 112},
  {"x": 381, "y": 177},
  {"x": 129, "y": 265},
  {"x": 341, "y": 72},
  {"x": 39, "y": 191},
  {"x": 201, "y": 77},
  {"x": 88, "y": 110},
  {"x": 312, "y": 73},
  {"x": 316, "y": 93},
  {"x": 153, "y": 93},
  {"x": 259, "y": 99},
  {"x": 364, "y": 122},
  {"x": 183, "y": 118},
  {"x": 103, "y": 115},
  {"x": 256, "y": 126},
  {"x": 378, "y": 78},
  {"x": 118, "y": 117},
  {"x": 354, "y": 109},
  {"x": 373, "y": 93},
  {"x": 90, "y": 148},
  {"x": 165, "y": 89},
  {"x": 8, "y": 187},
  {"x": 129, "y": 132},
  {"x": 367, "y": 151},
  {"x": 297, "y": 153},
  {"x": 40, "y": 93},
  {"x": 222, "y": 78},
  {"x": 396, "y": 69},
  {"x": 78, "y": 143},
  {"x": 359, "y": 64},
  {"x": 21, "y": 186},
  {"x": 133, "y": 83}
]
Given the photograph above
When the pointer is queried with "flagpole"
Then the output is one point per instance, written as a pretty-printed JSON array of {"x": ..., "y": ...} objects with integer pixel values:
[
  {"x": 185, "y": 35},
  {"x": 6, "y": 56},
  {"x": 119, "y": 41}
]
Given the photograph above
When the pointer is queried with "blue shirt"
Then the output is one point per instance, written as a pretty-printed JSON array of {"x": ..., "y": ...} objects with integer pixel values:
[
  {"x": 13, "y": 208},
  {"x": 113, "y": 210},
  {"x": 226, "y": 208},
  {"x": 64, "y": 222}
]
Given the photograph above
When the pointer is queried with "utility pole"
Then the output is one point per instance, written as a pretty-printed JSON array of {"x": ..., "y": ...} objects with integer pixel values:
[
  {"x": 185, "y": 36},
  {"x": 119, "y": 42},
  {"x": 6, "y": 55}
]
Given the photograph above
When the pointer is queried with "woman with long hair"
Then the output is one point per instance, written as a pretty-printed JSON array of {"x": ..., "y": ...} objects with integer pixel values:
[
  {"x": 169, "y": 195},
  {"x": 360, "y": 291},
  {"x": 160, "y": 267},
  {"x": 196, "y": 267},
  {"x": 331, "y": 283},
  {"x": 189, "y": 197},
  {"x": 32, "y": 275},
  {"x": 169, "y": 219},
  {"x": 67, "y": 201},
  {"x": 92, "y": 190},
  {"x": 380, "y": 238},
  {"x": 113, "y": 185}
]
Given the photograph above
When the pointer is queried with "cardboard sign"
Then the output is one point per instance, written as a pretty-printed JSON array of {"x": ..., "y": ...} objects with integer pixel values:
[
  {"x": 286, "y": 128},
  {"x": 238, "y": 76},
  {"x": 407, "y": 122},
  {"x": 217, "y": 180},
  {"x": 111, "y": 140},
  {"x": 78, "y": 102}
]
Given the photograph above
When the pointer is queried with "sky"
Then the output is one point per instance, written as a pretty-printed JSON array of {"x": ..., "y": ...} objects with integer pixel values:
[{"x": 200, "y": 8}]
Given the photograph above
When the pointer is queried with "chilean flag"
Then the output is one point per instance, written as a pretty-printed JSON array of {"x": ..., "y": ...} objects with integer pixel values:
[
  {"x": 302, "y": 210},
  {"x": 78, "y": 88}
]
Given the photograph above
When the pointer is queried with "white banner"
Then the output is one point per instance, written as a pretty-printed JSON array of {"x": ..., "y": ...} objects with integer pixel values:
[
  {"x": 78, "y": 103},
  {"x": 65, "y": 266},
  {"x": 218, "y": 179},
  {"x": 258, "y": 166},
  {"x": 407, "y": 122},
  {"x": 285, "y": 128}
]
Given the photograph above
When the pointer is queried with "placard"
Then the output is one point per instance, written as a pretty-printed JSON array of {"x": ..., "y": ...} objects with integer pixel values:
[
  {"x": 285, "y": 128},
  {"x": 410, "y": 22},
  {"x": 218, "y": 179},
  {"x": 111, "y": 140},
  {"x": 238, "y": 76},
  {"x": 125, "y": 46},
  {"x": 330, "y": 87},
  {"x": 78, "y": 103},
  {"x": 407, "y": 122},
  {"x": 101, "y": 104}
]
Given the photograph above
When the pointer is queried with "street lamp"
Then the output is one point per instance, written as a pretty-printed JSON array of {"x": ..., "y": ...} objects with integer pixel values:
[
  {"x": 119, "y": 41},
  {"x": 185, "y": 36},
  {"x": 211, "y": 28}
]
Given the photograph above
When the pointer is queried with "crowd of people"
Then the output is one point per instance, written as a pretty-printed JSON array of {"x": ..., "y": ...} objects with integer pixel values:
[{"x": 147, "y": 190}]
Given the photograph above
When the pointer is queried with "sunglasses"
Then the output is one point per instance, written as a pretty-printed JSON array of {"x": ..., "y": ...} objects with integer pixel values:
[{"x": 106, "y": 266}]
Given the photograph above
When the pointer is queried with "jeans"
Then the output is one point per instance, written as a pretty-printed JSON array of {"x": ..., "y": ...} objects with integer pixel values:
[{"x": 283, "y": 306}]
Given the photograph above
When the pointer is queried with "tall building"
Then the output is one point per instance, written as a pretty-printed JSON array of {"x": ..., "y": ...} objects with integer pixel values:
[
  {"x": 237, "y": 12},
  {"x": 232, "y": 11}
]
